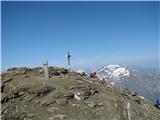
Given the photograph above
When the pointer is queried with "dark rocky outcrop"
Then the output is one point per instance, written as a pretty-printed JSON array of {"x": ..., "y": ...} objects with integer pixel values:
[{"x": 41, "y": 91}]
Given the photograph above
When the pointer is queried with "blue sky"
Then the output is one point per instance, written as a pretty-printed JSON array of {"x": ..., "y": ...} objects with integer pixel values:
[{"x": 96, "y": 33}]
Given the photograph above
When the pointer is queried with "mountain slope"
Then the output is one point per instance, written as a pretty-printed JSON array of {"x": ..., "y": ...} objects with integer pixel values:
[
  {"x": 26, "y": 94},
  {"x": 145, "y": 84}
]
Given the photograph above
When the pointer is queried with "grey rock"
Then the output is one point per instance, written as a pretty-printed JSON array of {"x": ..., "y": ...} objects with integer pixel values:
[
  {"x": 2, "y": 87},
  {"x": 52, "y": 109},
  {"x": 138, "y": 101},
  {"x": 4, "y": 98},
  {"x": 61, "y": 101},
  {"x": 42, "y": 91},
  {"x": 3, "y": 109},
  {"x": 84, "y": 92},
  {"x": 69, "y": 95},
  {"x": 75, "y": 105},
  {"x": 7, "y": 80},
  {"x": 28, "y": 98},
  {"x": 58, "y": 116},
  {"x": 100, "y": 104},
  {"x": 133, "y": 93},
  {"x": 27, "y": 76},
  {"x": 30, "y": 115},
  {"x": 47, "y": 102},
  {"x": 18, "y": 70},
  {"x": 74, "y": 87},
  {"x": 18, "y": 92},
  {"x": 92, "y": 104},
  {"x": 93, "y": 91},
  {"x": 57, "y": 71}
]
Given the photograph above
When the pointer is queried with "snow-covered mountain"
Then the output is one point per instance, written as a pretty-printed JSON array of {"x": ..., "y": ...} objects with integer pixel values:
[
  {"x": 145, "y": 84},
  {"x": 115, "y": 72}
]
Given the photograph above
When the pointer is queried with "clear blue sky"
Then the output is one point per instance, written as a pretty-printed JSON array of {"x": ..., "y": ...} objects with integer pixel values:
[{"x": 94, "y": 32}]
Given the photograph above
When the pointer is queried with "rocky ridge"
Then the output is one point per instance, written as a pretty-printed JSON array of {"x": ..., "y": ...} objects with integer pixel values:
[{"x": 27, "y": 95}]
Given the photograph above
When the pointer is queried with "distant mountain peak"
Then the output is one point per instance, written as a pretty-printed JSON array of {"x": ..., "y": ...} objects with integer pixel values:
[
  {"x": 144, "y": 83},
  {"x": 115, "y": 71}
]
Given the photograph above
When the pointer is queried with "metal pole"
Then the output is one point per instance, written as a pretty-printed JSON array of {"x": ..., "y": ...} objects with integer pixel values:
[
  {"x": 45, "y": 67},
  {"x": 69, "y": 63}
]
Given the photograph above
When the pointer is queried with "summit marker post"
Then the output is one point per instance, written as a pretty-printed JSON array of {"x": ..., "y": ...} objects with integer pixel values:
[
  {"x": 45, "y": 67},
  {"x": 69, "y": 62}
]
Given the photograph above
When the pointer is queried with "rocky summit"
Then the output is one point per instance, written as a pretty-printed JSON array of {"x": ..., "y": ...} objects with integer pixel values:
[{"x": 27, "y": 95}]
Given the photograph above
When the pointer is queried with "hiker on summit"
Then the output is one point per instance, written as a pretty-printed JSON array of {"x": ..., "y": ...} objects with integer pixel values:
[
  {"x": 93, "y": 75},
  {"x": 157, "y": 104}
]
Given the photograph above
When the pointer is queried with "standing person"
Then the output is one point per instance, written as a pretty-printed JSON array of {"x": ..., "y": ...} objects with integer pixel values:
[
  {"x": 94, "y": 75},
  {"x": 158, "y": 103},
  {"x": 69, "y": 64}
]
